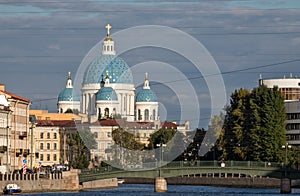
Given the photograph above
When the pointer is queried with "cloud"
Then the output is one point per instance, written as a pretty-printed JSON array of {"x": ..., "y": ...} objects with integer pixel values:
[{"x": 54, "y": 46}]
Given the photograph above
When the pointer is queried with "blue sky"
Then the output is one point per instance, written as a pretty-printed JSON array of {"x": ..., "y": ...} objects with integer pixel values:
[{"x": 42, "y": 40}]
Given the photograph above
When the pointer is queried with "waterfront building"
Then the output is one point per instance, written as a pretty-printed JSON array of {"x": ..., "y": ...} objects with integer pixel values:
[
  {"x": 51, "y": 141},
  {"x": 16, "y": 128},
  {"x": 290, "y": 89},
  {"x": 5, "y": 124}
]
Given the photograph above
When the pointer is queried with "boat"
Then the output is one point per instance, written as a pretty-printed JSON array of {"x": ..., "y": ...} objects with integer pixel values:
[
  {"x": 12, "y": 189},
  {"x": 121, "y": 181}
]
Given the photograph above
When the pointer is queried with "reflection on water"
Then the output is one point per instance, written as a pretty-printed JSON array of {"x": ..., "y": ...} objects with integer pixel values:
[{"x": 178, "y": 190}]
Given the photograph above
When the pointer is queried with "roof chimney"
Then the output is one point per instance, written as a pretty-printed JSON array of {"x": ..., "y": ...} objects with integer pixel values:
[{"x": 2, "y": 87}]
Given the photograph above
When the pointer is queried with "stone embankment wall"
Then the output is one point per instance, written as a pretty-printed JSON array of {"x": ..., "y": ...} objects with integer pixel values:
[
  {"x": 210, "y": 181},
  {"x": 66, "y": 181}
]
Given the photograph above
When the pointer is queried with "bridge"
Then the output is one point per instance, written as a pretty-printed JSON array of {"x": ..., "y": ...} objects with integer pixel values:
[{"x": 199, "y": 168}]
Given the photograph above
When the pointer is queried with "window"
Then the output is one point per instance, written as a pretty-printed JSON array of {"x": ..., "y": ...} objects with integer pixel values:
[
  {"x": 108, "y": 145},
  {"x": 55, "y": 146},
  {"x": 41, "y": 146},
  {"x": 146, "y": 115},
  {"x": 153, "y": 115},
  {"x": 42, "y": 135},
  {"x": 139, "y": 115},
  {"x": 54, "y": 157},
  {"x": 106, "y": 112},
  {"x": 145, "y": 135},
  {"x": 96, "y": 134},
  {"x": 48, "y": 135},
  {"x": 109, "y": 134},
  {"x": 55, "y": 135},
  {"x": 41, "y": 157},
  {"x": 48, "y": 157},
  {"x": 48, "y": 146}
]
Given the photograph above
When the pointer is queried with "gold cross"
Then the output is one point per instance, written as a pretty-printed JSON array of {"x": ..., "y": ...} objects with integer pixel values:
[{"x": 108, "y": 27}]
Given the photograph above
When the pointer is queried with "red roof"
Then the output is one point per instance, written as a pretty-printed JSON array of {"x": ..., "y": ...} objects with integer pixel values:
[
  {"x": 133, "y": 125},
  {"x": 56, "y": 123},
  {"x": 16, "y": 96}
]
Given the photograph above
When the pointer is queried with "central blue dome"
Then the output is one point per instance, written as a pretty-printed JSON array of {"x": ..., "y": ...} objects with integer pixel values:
[
  {"x": 146, "y": 95},
  {"x": 68, "y": 94},
  {"x": 113, "y": 66},
  {"x": 106, "y": 94}
]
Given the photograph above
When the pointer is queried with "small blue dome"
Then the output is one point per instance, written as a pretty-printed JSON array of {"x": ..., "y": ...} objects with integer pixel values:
[
  {"x": 146, "y": 95},
  {"x": 68, "y": 94},
  {"x": 116, "y": 68},
  {"x": 107, "y": 94}
]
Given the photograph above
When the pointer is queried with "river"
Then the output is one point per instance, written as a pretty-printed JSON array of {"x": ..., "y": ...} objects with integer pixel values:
[{"x": 178, "y": 190}]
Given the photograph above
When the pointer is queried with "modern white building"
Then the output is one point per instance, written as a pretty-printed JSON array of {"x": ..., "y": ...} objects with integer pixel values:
[{"x": 290, "y": 89}]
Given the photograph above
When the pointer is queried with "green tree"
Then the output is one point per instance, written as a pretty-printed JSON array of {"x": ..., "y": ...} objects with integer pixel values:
[
  {"x": 235, "y": 126},
  {"x": 80, "y": 152},
  {"x": 254, "y": 127}
]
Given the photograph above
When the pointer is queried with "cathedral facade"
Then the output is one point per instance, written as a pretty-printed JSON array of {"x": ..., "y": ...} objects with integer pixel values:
[{"x": 108, "y": 91}]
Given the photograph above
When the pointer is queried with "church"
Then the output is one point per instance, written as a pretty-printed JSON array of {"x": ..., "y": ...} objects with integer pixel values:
[
  {"x": 108, "y": 91},
  {"x": 109, "y": 100}
]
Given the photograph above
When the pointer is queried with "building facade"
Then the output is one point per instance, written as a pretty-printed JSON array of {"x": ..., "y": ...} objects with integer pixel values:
[{"x": 18, "y": 128}]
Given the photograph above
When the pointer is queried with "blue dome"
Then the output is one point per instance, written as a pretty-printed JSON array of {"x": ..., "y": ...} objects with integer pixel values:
[
  {"x": 106, "y": 94},
  {"x": 146, "y": 95},
  {"x": 116, "y": 68},
  {"x": 68, "y": 94}
]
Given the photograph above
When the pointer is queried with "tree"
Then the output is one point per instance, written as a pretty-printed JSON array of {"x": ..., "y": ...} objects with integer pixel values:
[
  {"x": 175, "y": 142},
  {"x": 254, "y": 127},
  {"x": 80, "y": 143}
]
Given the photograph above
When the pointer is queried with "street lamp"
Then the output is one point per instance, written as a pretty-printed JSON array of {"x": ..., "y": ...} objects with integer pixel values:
[
  {"x": 286, "y": 146},
  {"x": 161, "y": 145},
  {"x": 33, "y": 122}
]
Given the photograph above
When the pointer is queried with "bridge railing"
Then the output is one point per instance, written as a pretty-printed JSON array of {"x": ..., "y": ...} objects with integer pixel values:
[{"x": 182, "y": 164}]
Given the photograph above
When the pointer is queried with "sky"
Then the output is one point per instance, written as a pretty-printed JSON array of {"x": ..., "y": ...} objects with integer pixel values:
[{"x": 42, "y": 40}]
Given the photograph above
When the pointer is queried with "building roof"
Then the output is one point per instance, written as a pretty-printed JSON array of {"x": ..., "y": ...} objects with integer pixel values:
[
  {"x": 56, "y": 123},
  {"x": 14, "y": 96},
  {"x": 134, "y": 125},
  {"x": 44, "y": 115},
  {"x": 68, "y": 94},
  {"x": 146, "y": 95},
  {"x": 106, "y": 93},
  {"x": 113, "y": 66}
]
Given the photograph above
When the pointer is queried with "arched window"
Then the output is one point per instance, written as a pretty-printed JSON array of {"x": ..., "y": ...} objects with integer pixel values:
[
  {"x": 107, "y": 48},
  {"x": 61, "y": 110},
  {"x": 154, "y": 115},
  {"x": 146, "y": 115},
  {"x": 106, "y": 112},
  {"x": 139, "y": 115},
  {"x": 111, "y": 48}
]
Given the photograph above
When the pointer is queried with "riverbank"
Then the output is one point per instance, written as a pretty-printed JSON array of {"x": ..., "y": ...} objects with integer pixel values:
[{"x": 57, "y": 182}]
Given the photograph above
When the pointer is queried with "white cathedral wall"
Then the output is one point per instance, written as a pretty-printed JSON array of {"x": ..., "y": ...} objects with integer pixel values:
[
  {"x": 142, "y": 106},
  {"x": 88, "y": 98},
  {"x": 63, "y": 106},
  {"x": 111, "y": 105},
  {"x": 126, "y": 98}
]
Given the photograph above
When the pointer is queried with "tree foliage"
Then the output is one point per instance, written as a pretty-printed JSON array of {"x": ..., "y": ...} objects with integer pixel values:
[
  {"x": 80, "y": 152},
  {"x": 254, "y": 127}
]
